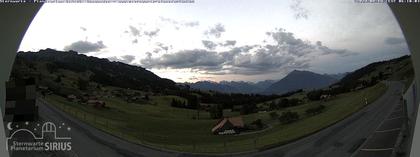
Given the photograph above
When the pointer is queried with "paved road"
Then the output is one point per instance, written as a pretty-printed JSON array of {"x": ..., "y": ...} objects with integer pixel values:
[
  {"x": 90, "y": 142},
  {"x": 386, "y": 137},
  {"x": 341, "y": 139}
]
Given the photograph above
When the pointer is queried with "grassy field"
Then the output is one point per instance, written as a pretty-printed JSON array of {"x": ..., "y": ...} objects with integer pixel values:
[{"x": 157, "y": 124}]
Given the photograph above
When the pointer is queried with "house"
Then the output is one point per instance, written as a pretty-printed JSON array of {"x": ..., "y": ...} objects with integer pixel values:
[
  {"x": 71, "y": 98},
  {"x": 236, "y": 108},
  {"x": 96, "y": 103},
  {"x": 42, "y": 88},
  {"x": 206, "y": 107},
  {"x": 325, "y": 97},
  {"x": 230, "y": 125}
]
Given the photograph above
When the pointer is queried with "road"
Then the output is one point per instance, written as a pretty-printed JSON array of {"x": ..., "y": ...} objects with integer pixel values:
[{"x": 341, "y": 139}]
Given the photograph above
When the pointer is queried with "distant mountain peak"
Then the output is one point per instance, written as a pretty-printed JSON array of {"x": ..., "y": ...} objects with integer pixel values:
[{"x": 300, "y": 79}]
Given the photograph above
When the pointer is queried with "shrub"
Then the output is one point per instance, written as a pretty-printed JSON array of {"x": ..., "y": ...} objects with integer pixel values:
[
  {"x": 315, "y": 110},
  {"x": 258, "y": 123},
  {"x": 216, "y": 111},
  {"x": 274, "y": 115},
  {"x": 288, "y": 117}
]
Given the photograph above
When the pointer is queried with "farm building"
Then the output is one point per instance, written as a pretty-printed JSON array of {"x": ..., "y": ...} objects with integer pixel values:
[
  {"x": 96, "y": 103},
  {"x": 71, "y": 98},
  {"x": 231, "y": 125}
]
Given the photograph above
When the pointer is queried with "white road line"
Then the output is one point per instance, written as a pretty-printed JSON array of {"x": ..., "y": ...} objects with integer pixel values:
[
  {"x": 395, "y": 118},
  {"x": 399, "y": 110},
  {"x": 389, "y": 130},
  {"x": 380, "y": 149}
]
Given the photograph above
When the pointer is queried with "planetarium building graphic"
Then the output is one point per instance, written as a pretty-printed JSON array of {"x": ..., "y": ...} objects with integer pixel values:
[{"x": 30, "y": 139}]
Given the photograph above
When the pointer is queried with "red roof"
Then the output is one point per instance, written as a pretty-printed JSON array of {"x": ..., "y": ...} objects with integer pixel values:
[{"x": 235, "y": 121}]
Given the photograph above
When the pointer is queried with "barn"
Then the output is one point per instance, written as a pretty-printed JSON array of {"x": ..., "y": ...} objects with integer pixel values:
[{"x": 230, "y": 125}]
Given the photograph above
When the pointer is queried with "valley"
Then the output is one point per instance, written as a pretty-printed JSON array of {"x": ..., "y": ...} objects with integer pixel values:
[{"x": 138, "y": 106}]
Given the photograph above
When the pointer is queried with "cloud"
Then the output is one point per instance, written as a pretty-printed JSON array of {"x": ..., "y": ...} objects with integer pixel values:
[
  {"x": 209, "y": 44},
  {"x": 163, "y": 46},
  {"x": 192, "y": 24},
  {"x": 83, "y": 29},
  {"x": 134, "y": 31},
  {"x": 228, "y": 43},
  {"x": 85, "y": 46},
  {"x": 298, "y": 10},
  {"x": 124, "y": 59},
  {"x": 152, "y": 33},
  {"x": 284, "y": 52},
  {"x": 286, "y": 42},
  {"x": 138, "y": 32},
  {"x": 179, "y": 24},
  {"x": 135, "y": 41},
  {"x": 394, "y": 41},
  {"x": 196, "y": 59},
  {"x": 215, "y": 31}
]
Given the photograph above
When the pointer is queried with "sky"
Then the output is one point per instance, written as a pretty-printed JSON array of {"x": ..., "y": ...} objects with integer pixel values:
[{"x": 247, "y": 40}]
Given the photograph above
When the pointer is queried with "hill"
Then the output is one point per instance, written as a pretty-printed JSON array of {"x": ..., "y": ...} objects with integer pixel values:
[
  {"x": 72, "y": 66},
  {"x": 300, "y": 80},
  {"x": 394, "y": 69}
]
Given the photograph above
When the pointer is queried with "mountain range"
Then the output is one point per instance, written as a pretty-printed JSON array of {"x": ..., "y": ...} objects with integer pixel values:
[
  {"x": 122, "y": 75},
  {"x": 295, "y": 80},
  {"x": 305, "y": 80}
]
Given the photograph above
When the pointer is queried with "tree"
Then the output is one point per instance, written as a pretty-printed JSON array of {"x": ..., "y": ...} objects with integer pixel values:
[
  {"x": 315, "y": 110},
  {"x": 258, "y": 123},
  {"x": 274, "y": 115},
  {"x": 177, "y": 103},
  {"x": 273, "y": 105},
  {"x": 82, "y": 84},
  {"x": 314, "y": 95},
  {"x": 51, "y": 68},
  {"x": 249, "y": 108},
  {"x": 195, "y": 102},
  {"x": 58, "y": 79},
  {"x": 216, "y": 111},
  {"x": 381, "y": 75},
  {"x": 146, "y": 97},
  {"x": 288, "y": 117}
]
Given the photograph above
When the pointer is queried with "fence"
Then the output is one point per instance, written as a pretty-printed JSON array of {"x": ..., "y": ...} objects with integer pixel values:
[{"x": 158, "y": 141}]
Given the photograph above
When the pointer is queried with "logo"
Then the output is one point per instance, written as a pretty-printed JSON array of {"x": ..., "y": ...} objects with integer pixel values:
[{"x": 23, "y": 138}]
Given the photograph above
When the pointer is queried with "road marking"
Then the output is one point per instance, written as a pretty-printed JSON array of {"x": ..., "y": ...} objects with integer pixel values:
[
  {"x": 399, "y": 110},
  {"x": 380, "y": 149},
  {"x": 395, "y": 118},
  {"x": 389, "y": 130}
]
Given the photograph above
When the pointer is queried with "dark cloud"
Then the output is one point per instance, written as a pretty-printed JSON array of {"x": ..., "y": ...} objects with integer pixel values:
[
  {"x": 196, "y": 59},
  {"x": 394, "y": 41},
  {"x": 284, "y": 52},
  {"x": 215, "y": 31},
  {"x": 235, "y": 61},
  {"x": 286, "y": 42},
  {"x": 85, "y": 46},
  {"x": 327, "y": 51},
  {"x": 209, "y": 44},
  {"x": 298, "y": 10},
  {"x": 124, "y": 59}
]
